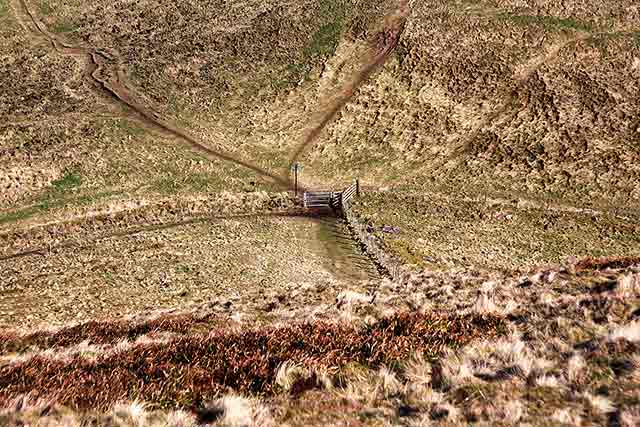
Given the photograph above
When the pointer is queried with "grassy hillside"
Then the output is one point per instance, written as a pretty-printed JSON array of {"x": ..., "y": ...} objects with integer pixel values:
[
  {"x": 535, "y": 99},
  {"x": 146, "y": 281}
]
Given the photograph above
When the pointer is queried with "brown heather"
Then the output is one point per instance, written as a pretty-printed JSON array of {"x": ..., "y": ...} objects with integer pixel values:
[
  {"x": 606, "y": 262},
  {"x": 100, "y": 332},
  {"x": 192, "y": 369}
]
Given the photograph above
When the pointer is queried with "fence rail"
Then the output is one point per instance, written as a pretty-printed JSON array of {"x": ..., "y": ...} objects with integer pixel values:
[
  {"x": 318, "y": 199},
  {"x": 330, "y": 199},
  {"x": 349, "y": 193}
]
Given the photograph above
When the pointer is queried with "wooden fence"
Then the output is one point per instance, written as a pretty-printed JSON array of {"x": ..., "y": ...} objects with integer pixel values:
[
  {"x": 349, "y": 193},
  {"x": 330, "y": 199},
  {"x": 319, "y": 199}
]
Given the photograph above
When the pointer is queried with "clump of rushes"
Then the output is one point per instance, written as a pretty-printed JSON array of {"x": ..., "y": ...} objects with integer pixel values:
[{"x": 187, "y": 371}]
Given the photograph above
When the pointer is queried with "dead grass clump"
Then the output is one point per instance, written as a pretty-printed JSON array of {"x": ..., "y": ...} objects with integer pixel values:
[
  {"x": 635, "y": 366},
  {"x": 100, "y": 332},
  {"x": 567, "y": 416},
  {"x": 630, "y": 417},
  {"x": 350, "y": 297},
  {"x": 27, "y": 412},
  {"x": 630, "y": 332},
  {"x": 186, "y": 371},
  {"x": 575, "y": 368},
  {"x": 132, "y": 414},
  {"x": 455, "y": 370},
  {"x": 485, "y": 304},
  {"x": 493, "y": 361},
  {"x": 418, "y": 371},
  {"x": 628, "y": 285},
  {"x": 295, "y": 378},
  {"x": 600, "y": 404},
  {"x": 487, "y": 295},
  {"x": 511, "y": 411},
  {"x": 235, "y": 411}
]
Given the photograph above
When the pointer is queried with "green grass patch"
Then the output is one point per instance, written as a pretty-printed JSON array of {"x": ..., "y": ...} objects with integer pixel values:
[
  {"x": 45, "y": 8},
  {"x": 4, "y": 8},
  {"x": 53, "y": 197},
  {"x": 64, "y": 27},
  {"x": 550, "y": 23},
  {"x": 325, "y": 40},
  {"x": 199, "y": 182},
  {"x": 18, "y": 215},
  {"x": 128, "y": 127},
  {"x": 44, "y": 205},
  {"x": 68, "y": 182},
  {"x": 406, "y": 252},
  {"x": 636, "y": 38},
  {"x": 109, "y": 277},
  {"x": 51, "y": 200},
  {"x": 185, "y": 269},
  {"x": 291, "y": 75},
  {"x": 323, "y": 44},
  {"x": 167, "y": 185}
]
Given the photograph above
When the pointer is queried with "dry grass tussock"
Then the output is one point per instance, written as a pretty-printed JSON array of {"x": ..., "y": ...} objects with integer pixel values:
[
  {"x": 412, "y": 365},
  {"x": 572, "y": 355},
  {"x": 235, "y": 411},
  {"x": 492, "y": 361},
  {"x": 630, "y": 332},
  {"x": 26, "y": 411},
  {"x": 228, "y": 411}
]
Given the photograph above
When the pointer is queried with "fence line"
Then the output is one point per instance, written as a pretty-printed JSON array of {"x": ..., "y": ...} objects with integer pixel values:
[
  {"x": 349, "y": 193},
  {"x": 318, "y": 199},
  {"x": 330, "y": 199},
  {"x": 373, "y": 245}
]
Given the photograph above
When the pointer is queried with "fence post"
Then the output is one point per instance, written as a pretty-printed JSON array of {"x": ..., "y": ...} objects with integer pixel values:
[
  {"x": 358, "y": 187},
  {"x": 295, "y": 174}
]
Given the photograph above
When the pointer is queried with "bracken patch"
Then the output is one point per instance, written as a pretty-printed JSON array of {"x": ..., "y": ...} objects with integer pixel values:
[
  {"x": 606, "y": 262},
  {"x": 97, "y": 332},
  {"x": 189, "y": 370}
]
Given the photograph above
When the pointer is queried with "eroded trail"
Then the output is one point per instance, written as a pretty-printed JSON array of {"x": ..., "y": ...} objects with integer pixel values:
[{"x": 105, "y": 72}]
